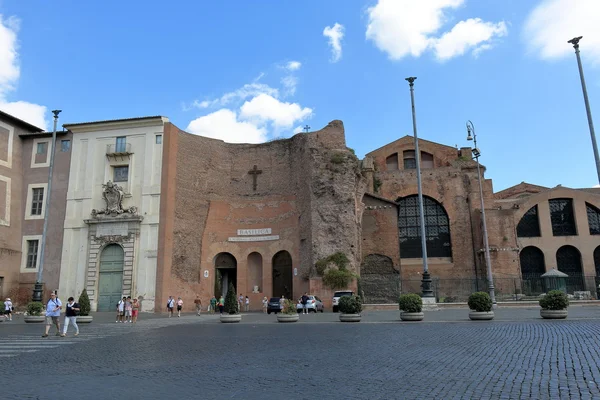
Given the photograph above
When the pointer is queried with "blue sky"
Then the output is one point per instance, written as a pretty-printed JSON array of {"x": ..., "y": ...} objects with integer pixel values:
[{"x": 255, "y": 70}]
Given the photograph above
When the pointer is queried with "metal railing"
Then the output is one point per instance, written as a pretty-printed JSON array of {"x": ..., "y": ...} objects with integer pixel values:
[{"x": 118, "y": 149}]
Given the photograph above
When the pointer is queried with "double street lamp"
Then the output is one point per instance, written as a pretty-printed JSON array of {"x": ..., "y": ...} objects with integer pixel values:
[{"x": 476, "y": 153}]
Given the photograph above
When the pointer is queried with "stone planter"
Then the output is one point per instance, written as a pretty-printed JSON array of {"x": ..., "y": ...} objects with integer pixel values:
[
  {"x": 231, "y": 318},
  {"x": 350, "y": 317},
  {"x": 481, "y": 315},
  {"x": 32, "y": 319},
  {"x": 412, "y": 316},
  {"x": 554, "y": 314},
  {"x": 84, "y": 319},
  {"x": 288, "y": 317}
]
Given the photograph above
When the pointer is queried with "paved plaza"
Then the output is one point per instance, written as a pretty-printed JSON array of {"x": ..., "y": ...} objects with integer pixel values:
[{"x": 516, "y": 356}]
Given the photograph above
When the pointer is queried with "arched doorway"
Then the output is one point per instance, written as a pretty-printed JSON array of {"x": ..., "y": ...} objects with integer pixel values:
[
  {"x": 379, "y": 280},
  {"x": 225, "y": 273},
  {"x": 110, "y": 283},
  {"x": 282, "y": 275},
  {"x": 568, "y": 260},
  {"x": 597, "y": 264},
  {"x": 532, "y": 268}
]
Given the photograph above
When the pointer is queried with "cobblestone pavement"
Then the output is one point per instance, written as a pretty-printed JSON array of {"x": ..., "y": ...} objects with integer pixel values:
[{"x": 199, "y": 358}]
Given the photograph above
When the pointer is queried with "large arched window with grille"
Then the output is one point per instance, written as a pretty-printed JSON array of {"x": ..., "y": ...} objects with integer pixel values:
[
  {"x": 529, "y": 225},
  {"x": 562, "y": 217},
  {"x": 437, "y": 228},
  {"x": 593, "y": 215},
  {"x": 532, "y": 262}
]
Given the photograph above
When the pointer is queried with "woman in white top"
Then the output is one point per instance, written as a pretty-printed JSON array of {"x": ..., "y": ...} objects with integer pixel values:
[{"x": 8, "y": 308}]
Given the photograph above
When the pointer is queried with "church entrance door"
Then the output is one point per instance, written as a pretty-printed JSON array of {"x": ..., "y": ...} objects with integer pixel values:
[
  {"x": 282, "y": 275},
  {"x": 110, "y": 284},
  {"x": 225, "y": 273}
]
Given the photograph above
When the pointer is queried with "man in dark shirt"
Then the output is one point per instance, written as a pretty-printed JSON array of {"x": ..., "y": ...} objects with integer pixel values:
[
  {"x": 304, "y": 301},
  {"x": 71, "y": 316}
]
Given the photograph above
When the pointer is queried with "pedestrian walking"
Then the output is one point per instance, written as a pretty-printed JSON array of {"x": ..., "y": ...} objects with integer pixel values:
[
  {"x": 221, "y": 304},
  {"x": 179, "y": 306},
  {"x": 198, "y": 303},
  {"x": 241, "y": 303},
  {"x": 71, "y": 311},
  {"x": 304, "y": 301},
  {"x": 121, "y": 309},
  {"x": 128, "y": 309},
  {"x": 265, "y": 302},
  {"x": 8, "y": 309},
  {"x": 135, "y": 309},
  {"x": 247, "y": 304},
  {"x": 53, "y": 314},
  {"x": 281, "y": 302},
  {"x": 213, "y": 304},
  {"x": 170, "y": 305}
]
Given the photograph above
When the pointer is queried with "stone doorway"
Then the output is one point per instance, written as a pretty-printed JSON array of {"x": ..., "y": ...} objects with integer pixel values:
[
  {"x": 379, "y": 280},
  {"x": 225, "y": 273},
  {"x": 110, "y": 283},
  {"x": 282, "y": 275}
]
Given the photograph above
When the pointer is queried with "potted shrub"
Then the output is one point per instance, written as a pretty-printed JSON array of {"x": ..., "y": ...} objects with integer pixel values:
[
  {"x": 232, "y": 311},
  {"x": 2, "y": 317},
  {"x": 480, "y": 304},
  {"x": 34, "y": 312},
  {"x": 289, "y": 313},
  {"x": 554, "y": 305},
  {"x": 350, "y": 308},
  {"x": 84, "y": 316},
  {"x": 412, "y": 305}
]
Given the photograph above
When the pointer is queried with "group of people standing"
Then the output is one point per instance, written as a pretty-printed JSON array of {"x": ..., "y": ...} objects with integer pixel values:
[{"x": 127, "y": 310}]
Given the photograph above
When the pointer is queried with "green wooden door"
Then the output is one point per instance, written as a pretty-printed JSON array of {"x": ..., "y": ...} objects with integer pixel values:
[{"x": 110, "y": 284}]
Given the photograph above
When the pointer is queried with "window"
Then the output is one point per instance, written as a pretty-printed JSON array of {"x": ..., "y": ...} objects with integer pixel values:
[
  {"x": 437, "y": 228},
  {"x": 568, "y": 260},
  {"x": 593, "y": 215},
  {"x": 121, "y": 144},
  {"x": 41, "y": 147},
  {"x": 32, "y": 253},
  {"x": 561, "y": 215},
  {"x": 532, "y": 262},
  {"x": 121, "y": 174},
  {"x": 597, "y": 261},
  {"x": 65, "y": 145},
  {"x": 409, "y": 160},
  {"x": 426, "y": 160},
  {"x": 158, "y": 139},
  {"x": 391, "y": 163},
  {"x": 529, "y": 225},
  {"x": 37, "y": 201}
]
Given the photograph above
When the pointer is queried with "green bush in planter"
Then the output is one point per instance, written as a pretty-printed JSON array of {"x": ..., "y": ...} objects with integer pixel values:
[
  {"x": 480, "y": 302},
  {"x": 35, "y": 308},
  {"x": 84, "y": 304},
  {"x": 410, "y": 302},
  {"x": 554, "y": 300},
  {"x": 350, "y": 305},
  {"x": 1, "y": 307},
  {"x": 289, "y": 307},
  {"x": 231, "y": 303}
]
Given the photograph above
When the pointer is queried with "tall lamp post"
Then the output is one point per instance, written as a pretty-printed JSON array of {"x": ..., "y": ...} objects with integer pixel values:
[
  {"x": 426, "y": 281},
  {"x": 486, "y": 245},
  {"x": 38, "y": 287},
  {"x": 575, "y": 43}
]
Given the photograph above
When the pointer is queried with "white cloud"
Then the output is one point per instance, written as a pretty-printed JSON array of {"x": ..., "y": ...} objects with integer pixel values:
[
  {"x": 10, "y": 73},
  {"x": 405, "y": 27},
  {"x": 224, "y": 124},
  {"x": 298, "y": 129},
  {"x": 466, "y": 35},
  {"x": 267, "y": 109},
  {"x": 553, "y": 22},
  {"x": 335, "y": 35},
  {"x": 293, "y": 65},
  {"x": 289, "y": 83},
  {"x": 241, "y": 94}
]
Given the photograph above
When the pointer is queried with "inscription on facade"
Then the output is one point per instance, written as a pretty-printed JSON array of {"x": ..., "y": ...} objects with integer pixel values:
[
  {"x": 253, "y": 238},
  {"x": 249, "y": 232}
]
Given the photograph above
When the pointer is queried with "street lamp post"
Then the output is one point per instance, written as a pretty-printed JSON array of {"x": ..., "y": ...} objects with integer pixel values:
[
  {"x": 575, "y": 43},
  {"x": 486, "y": 245},
  {"x": 38, "y": 287},
  {"x": 426, "y": 281}
]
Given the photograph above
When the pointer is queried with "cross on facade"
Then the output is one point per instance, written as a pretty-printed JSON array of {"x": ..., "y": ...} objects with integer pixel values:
[
  {"x": 254, "y": 172},
  {"x": 306, "y": 128}
]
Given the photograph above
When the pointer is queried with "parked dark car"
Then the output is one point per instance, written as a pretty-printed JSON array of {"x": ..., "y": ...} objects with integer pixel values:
[{"x": 274, "y": 305}]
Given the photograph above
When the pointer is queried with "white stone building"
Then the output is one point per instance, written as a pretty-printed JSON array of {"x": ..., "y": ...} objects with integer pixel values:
[{"x": 112, "y": 212}]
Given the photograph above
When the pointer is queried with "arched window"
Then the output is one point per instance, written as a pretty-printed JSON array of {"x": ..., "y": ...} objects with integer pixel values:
[
  {"x": 593, "y": 215},
  {"x": 568, "y": 260},
  {"x": 437, "y": 228},
  {"x": 529, "y": 225},
  {"x": 532, "y": 262},
  {"x": 562, "y": 217},
  {"x": 410, "y": 161},
  {"x": 391, "y": 162}
]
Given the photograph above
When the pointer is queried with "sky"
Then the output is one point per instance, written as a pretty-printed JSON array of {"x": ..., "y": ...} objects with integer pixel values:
[{"x": 251, "y": 71}]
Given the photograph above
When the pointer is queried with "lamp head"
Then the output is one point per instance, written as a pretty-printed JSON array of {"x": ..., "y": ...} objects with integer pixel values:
[
  {"x": 476, "y": 152},
  {"x": 470, "y": 130}
]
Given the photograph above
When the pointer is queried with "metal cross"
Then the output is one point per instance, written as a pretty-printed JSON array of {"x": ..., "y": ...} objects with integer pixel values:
[
  {"x": 254, "y": 172},
  {"x": 306, "y": 128}
]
